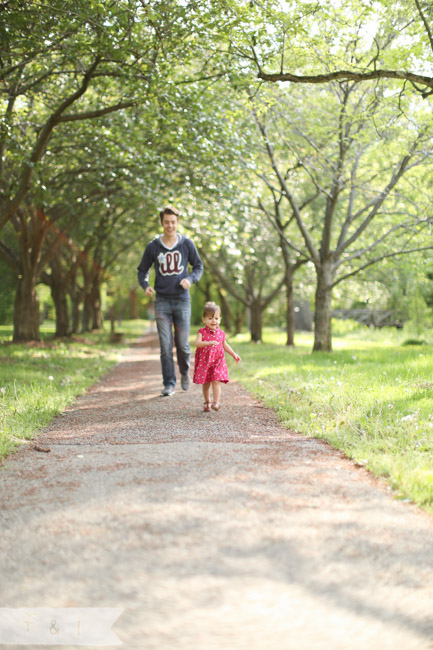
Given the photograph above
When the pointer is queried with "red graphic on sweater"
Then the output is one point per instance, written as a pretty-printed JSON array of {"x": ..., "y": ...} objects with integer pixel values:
[{"x": 170, "y": 263}]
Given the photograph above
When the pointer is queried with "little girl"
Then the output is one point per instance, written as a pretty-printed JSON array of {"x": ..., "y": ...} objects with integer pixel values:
[{"x": 210, "y": 363}]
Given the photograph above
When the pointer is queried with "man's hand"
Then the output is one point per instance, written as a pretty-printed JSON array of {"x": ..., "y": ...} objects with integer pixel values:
[
  {"x": 149, "y": 291},
  {"x": 185, "y": 284}
]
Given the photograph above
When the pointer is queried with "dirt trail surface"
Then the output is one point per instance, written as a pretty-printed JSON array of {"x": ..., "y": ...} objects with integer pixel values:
[{"x": 213, "y": 531}]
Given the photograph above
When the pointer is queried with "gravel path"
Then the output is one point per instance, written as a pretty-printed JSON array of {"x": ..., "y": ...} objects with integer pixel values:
[{"x": 214, "y": 531}]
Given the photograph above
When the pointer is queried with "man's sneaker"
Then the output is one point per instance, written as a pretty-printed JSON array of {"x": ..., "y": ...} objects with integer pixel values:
[
  {"x": 185, "y": 382},
  {"x": 167, "y": 391}
]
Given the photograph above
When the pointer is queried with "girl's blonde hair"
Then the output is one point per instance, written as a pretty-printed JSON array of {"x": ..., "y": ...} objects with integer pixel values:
[{"x": 211, "y": 308}]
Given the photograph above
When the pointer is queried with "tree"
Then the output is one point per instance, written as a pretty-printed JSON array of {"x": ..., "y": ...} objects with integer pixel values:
[
  {"x": 272, "y": 207},
  {"x": 281, "y": 224},
  {"x": 335, "y": 156},
  {"x": 31, "y": 227},
  {"x": 62, "y": 64},
  {"x": 372, "y": 47},
  {"x": 239, "y": 250},
  {"x": 88, "y": 62}
]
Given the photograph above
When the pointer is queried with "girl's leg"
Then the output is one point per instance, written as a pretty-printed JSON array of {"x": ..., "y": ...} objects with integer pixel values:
[
  {"x": 216, "y": 390},
  {"x": 206, "y": 395}
]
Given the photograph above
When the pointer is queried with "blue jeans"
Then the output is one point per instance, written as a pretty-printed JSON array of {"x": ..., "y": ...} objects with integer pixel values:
[{"x": 175, "y": 312}]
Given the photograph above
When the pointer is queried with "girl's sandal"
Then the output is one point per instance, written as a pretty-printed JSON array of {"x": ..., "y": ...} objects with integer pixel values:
[
  {"x": 216, "y": 406},
  {"x": 207, "y": 407}
]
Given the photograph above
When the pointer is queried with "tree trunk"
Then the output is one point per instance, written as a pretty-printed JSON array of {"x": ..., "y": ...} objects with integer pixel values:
[
  {"x": 290, "y": 313},
  {"x": 76, "y": 301},
  {"x": 288, "y": 283},
  {"x": 323, "y": 308},
  {"x": 59, "y": 287},
  {"x": 95, "y": 296},
  {"x": 256, "y": 311},
  {"x": 226, "y": 312},
  {"x": 207, "y": 290},
  {"x": 239, "y": 319},
  {"x": 91, "y": 317},
  {"x": 58, "y": 294},
  {"x": 26, "y": 312},
  {"x": 133, "y": 304},
  {"x": 31, "y": 227},
  {"x": 76, "y": 296},
  {"x": 86, "y": 315}
]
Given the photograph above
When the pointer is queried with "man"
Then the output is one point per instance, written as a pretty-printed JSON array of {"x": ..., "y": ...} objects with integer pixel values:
[{"x": 170, "y": 253}]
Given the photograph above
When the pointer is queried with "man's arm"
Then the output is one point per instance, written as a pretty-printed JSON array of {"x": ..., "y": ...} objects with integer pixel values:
[
  {"x": 196, "y": 263},
  {"x": 144, "y": 270}
]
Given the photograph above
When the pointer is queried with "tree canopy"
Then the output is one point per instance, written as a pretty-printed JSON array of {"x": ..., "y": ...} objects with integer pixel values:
[{"x": 293, "y": 136}]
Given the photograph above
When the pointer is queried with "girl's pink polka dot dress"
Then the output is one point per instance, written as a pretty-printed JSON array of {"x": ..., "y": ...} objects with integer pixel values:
[{"x": 210, "y": 362}]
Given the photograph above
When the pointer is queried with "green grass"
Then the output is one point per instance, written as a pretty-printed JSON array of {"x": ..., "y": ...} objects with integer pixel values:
[
  {"x": 372, "y": 398},
  {"x": 37, "y": 381}
]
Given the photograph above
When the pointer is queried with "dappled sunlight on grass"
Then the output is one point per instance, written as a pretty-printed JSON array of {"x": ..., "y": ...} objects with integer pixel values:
[
  {"x": 272, "y": 370},
  {"x": 372, "y": 399}
]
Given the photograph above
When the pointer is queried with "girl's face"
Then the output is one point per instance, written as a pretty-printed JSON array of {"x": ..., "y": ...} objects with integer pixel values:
[{"x": 212, "y": 320}]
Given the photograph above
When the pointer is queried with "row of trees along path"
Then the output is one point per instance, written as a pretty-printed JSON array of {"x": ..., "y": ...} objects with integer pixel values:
[{"x": 101, "y": 118}]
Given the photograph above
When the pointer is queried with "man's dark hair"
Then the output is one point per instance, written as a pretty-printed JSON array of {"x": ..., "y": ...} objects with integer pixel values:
[{"x": 168, "y": 210}]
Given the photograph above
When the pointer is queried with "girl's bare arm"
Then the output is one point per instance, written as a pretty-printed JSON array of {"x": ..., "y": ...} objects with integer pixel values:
[
  {"x": 232, "y": 353},
  {"x": 199, "y": 343}
]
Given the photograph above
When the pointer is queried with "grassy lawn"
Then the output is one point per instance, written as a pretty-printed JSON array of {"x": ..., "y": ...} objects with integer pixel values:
[
  {"x": 372, "y": 398},
  {"x": 38, "y": 381}
]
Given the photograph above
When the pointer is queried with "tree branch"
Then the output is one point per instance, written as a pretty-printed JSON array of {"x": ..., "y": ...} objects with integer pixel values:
[
  {"x": 277, "y": 289},
  {"x": 88, "y": 115},
  {"x": 348, "y": 75},
  {"x": 426, "y": 25},
  {"x": 8, "y": 256},
  {"x": 221, "y": 277},
  {"x": 378, "y": 259},
  {"x": 377, "y": 203},
  {"x": 337, "y": 180},
  {"x": 363, "y": 251},
  {"x": 37, "y": 152},
  {"x": 286, "y": 191},
  {"x": 281, "y": 232},
  {"x": 349, "y": 214}
]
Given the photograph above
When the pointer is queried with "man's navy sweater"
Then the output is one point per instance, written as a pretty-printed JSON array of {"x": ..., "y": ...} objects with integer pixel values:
[{"x": 171, "y": 266}]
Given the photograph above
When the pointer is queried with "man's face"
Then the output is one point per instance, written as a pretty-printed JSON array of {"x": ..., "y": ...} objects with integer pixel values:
[{"x": 169, "y": 224}]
